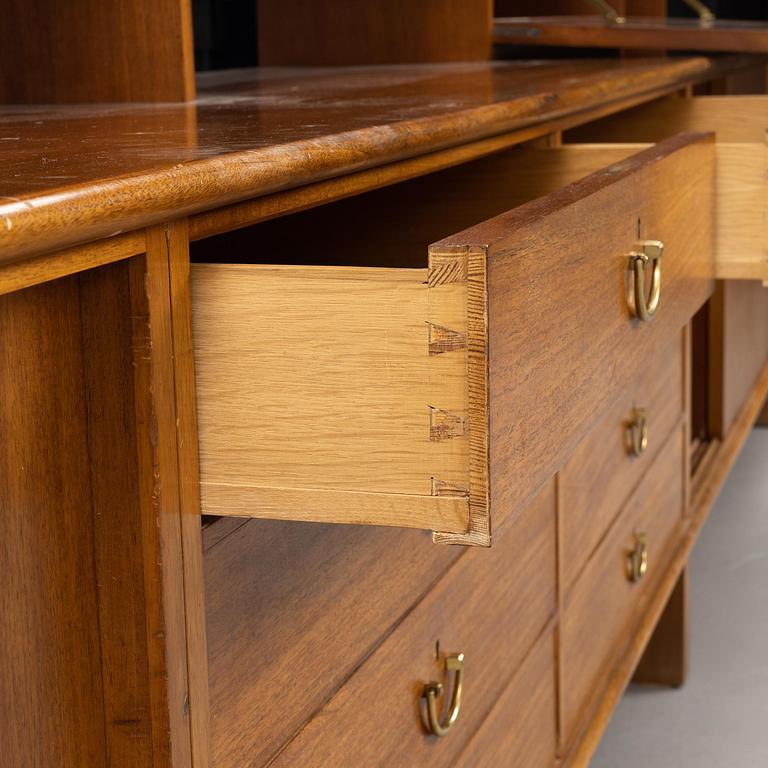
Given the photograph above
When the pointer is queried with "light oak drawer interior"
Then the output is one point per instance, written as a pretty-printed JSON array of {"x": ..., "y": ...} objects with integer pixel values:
[
  {"x": 344, "y": 392},
  {"x": 740, "y": 123},
  {"x": 603, "y": 471},
  {"x": 600, "y": 612}
]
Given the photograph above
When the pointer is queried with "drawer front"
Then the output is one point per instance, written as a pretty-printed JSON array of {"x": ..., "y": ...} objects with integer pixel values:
[
  {"x": 599, "y": 477},
  {"x": 521, "y": 729},
  {"x": 491, "y": 605},
  {"x": 562, "y": 341},
  {"x": 603, "y": 607},
  {"x": 740, "y": 123},
  {"x": 407, "y": 397}
]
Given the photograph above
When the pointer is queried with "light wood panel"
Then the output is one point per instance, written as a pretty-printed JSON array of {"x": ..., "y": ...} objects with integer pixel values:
[
  {"x": 339, "y": 32},
  {"x": 341, "y": 393},
  {"x": 103, "y": 52},
  {"x": 740, "y": 123}
]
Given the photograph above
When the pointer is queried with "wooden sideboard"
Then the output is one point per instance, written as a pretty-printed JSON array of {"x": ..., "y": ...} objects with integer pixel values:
[{"x": 265, "y": 355}]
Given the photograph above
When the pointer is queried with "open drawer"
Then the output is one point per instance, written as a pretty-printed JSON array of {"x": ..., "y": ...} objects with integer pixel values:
[
  {"x": 740, "y": 124},
  {"x": 431, "y": 395}
]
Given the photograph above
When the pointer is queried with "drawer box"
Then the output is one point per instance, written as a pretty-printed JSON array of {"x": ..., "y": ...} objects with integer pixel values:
[
  {"x": 427, "y": 397},
  {"x": 599, "y": 477},
  {"x": 740, "y": 124},
  {"x": 600, "y": 612},
  {"x": 492, "y": 606}
]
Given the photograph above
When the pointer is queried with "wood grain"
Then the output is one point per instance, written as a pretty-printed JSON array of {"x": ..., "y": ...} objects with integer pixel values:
[
  {"x": 507, "y": 592},
  {"x": 604, "y": 597},
  {"x": 546, "y": 383},
  {"x": 342, "y": 32},
  {"x": 521, "y": 729},
  {"x": 345, "y": 414},
  {"x": 665, "y": 659},
  {"x": 601, "y": 474},
  {"x": 42, "y": 269},
  {"x": 104, "y": 52},
  {"x": 672, "y": 34},
  {"x": 740, "y": 348},
  {"x": 160, "y": 497},
  {"x": 259, "y": 132},
  {"x": 292, "y": 610},
  {"x": 740, "y": 123},
  {"x": 50, "y": 677},
  {"x": 198, "y": 706},
  {"x": 133, "y": 739},
  {"x": 708, "y": 482}
]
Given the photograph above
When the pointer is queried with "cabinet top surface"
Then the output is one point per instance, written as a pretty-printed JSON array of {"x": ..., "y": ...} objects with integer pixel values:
[{"x": 74, "y": 173}]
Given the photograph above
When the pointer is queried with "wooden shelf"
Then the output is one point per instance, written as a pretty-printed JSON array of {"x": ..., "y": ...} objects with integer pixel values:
[
  {"x": 638, "y": 32},
  {"x": 74, "y": 174}
]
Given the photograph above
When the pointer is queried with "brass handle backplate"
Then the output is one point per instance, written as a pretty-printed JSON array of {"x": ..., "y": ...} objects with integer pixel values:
[
  {"x": 646, "y": 255},
  {"x": 637, "y": 561},
  {"x": 453, "y": 663},
  {"x": 638, "y": 432}
]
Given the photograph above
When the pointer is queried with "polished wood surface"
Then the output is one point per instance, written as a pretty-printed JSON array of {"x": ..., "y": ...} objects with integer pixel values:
[
  {"x": 740, "y": 124},
  {"x": 51, "y": 676},
  {"x": 601, "y": 612},
  {"x": 293, "y": 609},
  {"x": 96, "y": 52},
  {"x": 563, "y": 248},
  {"x": 602, "y": 472},
  {"x": 76, "y": 173},
  {"x": 521, "y": 729},
  {"x": 491, "y": 605},
  {"x": 643, "y": 33},
  {"x": 344, "y": 32}
]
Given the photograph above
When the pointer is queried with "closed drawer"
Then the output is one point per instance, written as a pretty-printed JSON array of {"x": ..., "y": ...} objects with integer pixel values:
[
  {"x": 521, "y": 729},
  {"x": 492, "y": 606},
  {"x": 603, "y": 607},
  {"x": 599, "y": 477},
  {"x": 427, "y": 397},
  {"x": 740, "y": 124}
]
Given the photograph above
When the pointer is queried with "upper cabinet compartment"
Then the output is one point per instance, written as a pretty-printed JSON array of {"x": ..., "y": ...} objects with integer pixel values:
[
  {"x": 440, "y": 394},
  {"x": 740, "y": 124}
]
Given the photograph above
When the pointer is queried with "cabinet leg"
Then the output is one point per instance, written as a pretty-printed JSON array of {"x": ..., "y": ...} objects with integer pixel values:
[
  {"x": 665, "y": 660},
  {"x": 762, "y": 419}
]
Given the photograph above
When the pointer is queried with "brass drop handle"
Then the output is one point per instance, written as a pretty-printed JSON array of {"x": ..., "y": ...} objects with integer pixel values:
[
  {"x": 647, "y": 254},
  {"x": 637, "y": 562},
  {"x": 638, "y": 432},
  {"x": 432, "y": 690}
]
